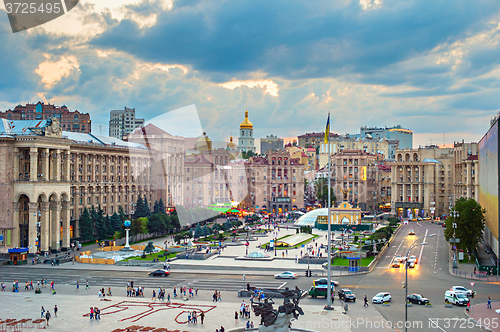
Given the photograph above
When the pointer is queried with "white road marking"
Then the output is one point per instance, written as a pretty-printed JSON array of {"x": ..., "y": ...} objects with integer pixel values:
[
  {"x": 422, "y": 249},
  {"x": 396, "y": 252}
]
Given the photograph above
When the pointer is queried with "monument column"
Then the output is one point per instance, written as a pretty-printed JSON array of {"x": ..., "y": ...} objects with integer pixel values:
[
  {"x": 32, "y": 233},
  {"x": 45, "y": 164},
  {"x": 57, "y": 168},
  {"x": 44, "y": 227}
]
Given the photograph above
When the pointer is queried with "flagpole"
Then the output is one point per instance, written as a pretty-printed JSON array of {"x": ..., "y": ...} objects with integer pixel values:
[{"x": 329, "y": 244}]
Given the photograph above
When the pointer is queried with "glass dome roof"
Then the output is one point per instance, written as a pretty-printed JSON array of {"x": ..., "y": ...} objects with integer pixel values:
[
  {"x": 309, "y": 219},
  {"x": 256, "y": 254}
]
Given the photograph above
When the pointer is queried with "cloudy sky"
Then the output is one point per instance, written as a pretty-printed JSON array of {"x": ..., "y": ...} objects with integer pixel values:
[{"x": 432, "y": 66}]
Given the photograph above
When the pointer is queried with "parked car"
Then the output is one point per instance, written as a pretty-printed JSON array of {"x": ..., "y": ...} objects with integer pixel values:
[
  {"x": 286, "y": 275},
  {"x": 463, "y": 290},
  {"x": 382, "y": 297},
  {"x": 347, "y": 295},
  {"x": 417, "y": 299},
  {"x": 455, "y": 298},
  {"x": 159, "y": 273},
  {"x": 411, "y": 232}
]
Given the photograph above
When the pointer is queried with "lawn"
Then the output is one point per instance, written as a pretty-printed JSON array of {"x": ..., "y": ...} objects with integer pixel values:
[
  {"x": 345, "y": 262},
  {"x": 151, "y": 257},
  {"x": 294, "y": 247}
]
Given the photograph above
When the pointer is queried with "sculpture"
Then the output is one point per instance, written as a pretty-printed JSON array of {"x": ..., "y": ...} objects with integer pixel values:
[
  {"x": 278, "y": 320},
  {"x": 345, "y": 192},
  {"x": 54, "y": 129}
]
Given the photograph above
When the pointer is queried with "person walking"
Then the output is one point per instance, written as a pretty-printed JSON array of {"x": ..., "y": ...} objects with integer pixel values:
[
  {"x": 87, "y": 285},
  {"x": 77, "y": 285},
  {"x": 220, "y": 297},
  {"x": 489, "y": 303},
  {"x": 91, "y": 313},
  {"x": 97, "y": 313},
  {"x": 366, "y": 302},
  {"x": 42, "y": 312},
  {"x": 236, "y": 317},
  {"x": 47, "y": 317},
  {"x": 202, "y": 317},
  {"x": 168, "y": 298},
  {"x": 55, "y": 310},
  {"x": 154, "y": 295}
]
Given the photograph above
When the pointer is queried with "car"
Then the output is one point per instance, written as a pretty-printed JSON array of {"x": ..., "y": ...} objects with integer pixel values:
[
  {"x": 414, "y": 258},
  {"x": 382, "y": 297},
  {"x": 463, "y": 290},
  {"x": 347, "y": 295},
  {"x": 427, "y": 218},
  {"x": 411, "y": 232},
  {"x": 159, "y": 273},
  {"x": 419, "y": 218},
  {"x": 286, "y": 275},
  {"x": 324, "y": 281},
  {"x": 455, "y": 298},
  {"x": 411, "y": 263},
  {"x": 443, "y": 225},
  {"x": 417, "y": 299},
  {"x": 396, "y": 263},
  {"x": 398, "y": 257}
]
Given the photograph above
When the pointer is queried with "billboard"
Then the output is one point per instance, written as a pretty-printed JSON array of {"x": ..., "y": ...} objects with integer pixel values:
[{"x": 488, "y": 183}]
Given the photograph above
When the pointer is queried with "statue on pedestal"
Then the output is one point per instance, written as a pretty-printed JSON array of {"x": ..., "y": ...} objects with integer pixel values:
[{"x": 273, "y": 320}]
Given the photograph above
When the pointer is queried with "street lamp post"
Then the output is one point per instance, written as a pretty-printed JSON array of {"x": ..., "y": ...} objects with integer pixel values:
[{"x": 406, "y": 272}]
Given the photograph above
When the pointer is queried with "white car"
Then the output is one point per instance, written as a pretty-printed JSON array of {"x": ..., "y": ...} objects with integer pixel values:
[
  {"x": 411, "y": 263},
  {"x": 414, "y": 258},
  {"x": 286, "y": 275},
  {"x": 462, "y": 290},
  {"x": 382, "y": 297}
]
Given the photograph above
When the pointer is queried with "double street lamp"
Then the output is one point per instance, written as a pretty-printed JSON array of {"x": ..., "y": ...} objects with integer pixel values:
[{"x": 406, "y": 271}]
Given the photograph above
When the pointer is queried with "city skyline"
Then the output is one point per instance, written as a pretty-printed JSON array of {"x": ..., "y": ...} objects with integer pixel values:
[{"x": 433, "y": 75}]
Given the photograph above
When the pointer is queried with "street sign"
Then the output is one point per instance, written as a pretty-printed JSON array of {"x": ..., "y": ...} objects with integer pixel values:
[
  {"x": 472, "y": 283},
  {"x": 1, "y": 238}
]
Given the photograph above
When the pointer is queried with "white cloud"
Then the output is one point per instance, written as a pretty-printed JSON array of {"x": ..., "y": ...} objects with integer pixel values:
[
  {"x": 52, "y": 72},
  {"x": 271, "y": 87}
]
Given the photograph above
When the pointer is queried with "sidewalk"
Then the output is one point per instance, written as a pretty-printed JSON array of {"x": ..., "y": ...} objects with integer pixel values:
[
  {"x": 489, "y": 319},
  {"x": 466, "y": 271}
]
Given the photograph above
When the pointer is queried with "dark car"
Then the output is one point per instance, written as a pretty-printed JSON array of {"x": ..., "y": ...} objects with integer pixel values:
[
  {"x": 417, "y": 299},
  {"x": 347, "y": 295},
  {"x": 159, "y": 273}
]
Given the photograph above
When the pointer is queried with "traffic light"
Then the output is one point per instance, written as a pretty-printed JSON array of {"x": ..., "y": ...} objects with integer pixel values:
[{"x": 309, "y": 273}]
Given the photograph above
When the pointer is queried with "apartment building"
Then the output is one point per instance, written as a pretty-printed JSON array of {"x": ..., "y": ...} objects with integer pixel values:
[
  {"x": 466, "y": 181},
  {"x": 123, "y": 122}
]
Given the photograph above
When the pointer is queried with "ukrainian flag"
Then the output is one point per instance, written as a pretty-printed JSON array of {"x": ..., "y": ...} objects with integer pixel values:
[{"x": 327, "y": 130}]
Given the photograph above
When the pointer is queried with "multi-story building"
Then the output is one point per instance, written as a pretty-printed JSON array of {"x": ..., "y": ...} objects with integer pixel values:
[
  {"x": 123, "y": 122},
  {"x": 314, "y": 139},
  {"x": 396, "y": 133},
  {"x": 385, "y": 185},
  {"x": 466, "y": 170},
  {"x": 168, "y": 169},
  {"x": 348, "y": 142},
  {"x": 275, "y": 182},
  {"x": 423, "y": 182},
  {"x": 246, "y": 140},
  {"x": 73, "y": 121},
  {"x": 270, "y": 143},
  {"x": 48, "y": 176}
]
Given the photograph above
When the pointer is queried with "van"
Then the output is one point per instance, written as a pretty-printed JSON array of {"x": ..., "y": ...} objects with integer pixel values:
[
  {"x": 455, "y": 298},
  {"x": 320, "y": 290}
]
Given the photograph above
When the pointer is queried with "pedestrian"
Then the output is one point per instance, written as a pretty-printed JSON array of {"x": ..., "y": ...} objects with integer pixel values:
[
  {"x": 55, "y": 310},
  {"x": 42, "y": 312},
  {"x": 475, "y": 270},
  {"x": 195, "y": 319},
  {"x": 366, "y": 302},
  {"x": 154, "y": 295},
  {"x": 91, "y": 313},
  {"x": 202, "y": 317},
  {"x": 87, "y": 285},
  {"x": 189, "y": 317},
  {"x": 97, "y": 313},
  {"x": 168, "y": 298},
  {"x": 196, "y": 292},
  {"x": 468, "y": 306},
  {"x": 47, "y": 317},
  {"x": 489, "y": 303},
  {"x": 236, "y": 317},
  {"x": 222, "y": 329},
  {"x": 175, "y": 292},
  {"x": 77, "y": 285},
  {"x": 220, "y": 297}
]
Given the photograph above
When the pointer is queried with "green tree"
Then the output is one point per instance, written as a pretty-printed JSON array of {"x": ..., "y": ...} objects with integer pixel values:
[
  {"x": 393, "y": 222},
  {"x": 227, "y": 225},
  {"x": 85, "y": 223},
  {"x": 140, "y": 209},
  {"x": 470, "y": 224},
  {"x": 156, "y": 224},
  {"x": 149, "y": 248},
  {"x": 139, "y": 226},
  {"x": 322, "y": 192},
  {"x": 198, "y": 232},
  {"x": 248, "y": 154},
  {"x": 147, "y": 210},
  {"x": 159, "y": 207},
  {"x": 205, "y": 231},
  {"x": 116, "y": 223}
]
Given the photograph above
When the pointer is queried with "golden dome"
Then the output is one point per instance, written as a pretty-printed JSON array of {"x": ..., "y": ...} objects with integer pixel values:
[
  {"x": 204, "y": 143},
  {"x": 231, "y": 145},
  {"x": 246, "y": 124}
]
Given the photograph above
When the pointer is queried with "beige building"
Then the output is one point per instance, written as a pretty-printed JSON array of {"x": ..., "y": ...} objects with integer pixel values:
[
  {"x": 422, "y": 182},
  {"x": 466, "y": 169},
  {"x": 48, "y": 176},
  {"x": 369, "y": 145},
  {"x": 314, "y": 139}
]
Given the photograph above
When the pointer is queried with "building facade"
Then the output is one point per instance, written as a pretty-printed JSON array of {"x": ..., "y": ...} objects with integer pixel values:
[
  {"x": 404, "y": 137},
  {"x": 466, "y": 171},
  {"x": 270, "y": 143},
  {"x": 48, "y": 176},
  {"x": 313, "y": 139},
  {"x": 123, "y": 122},
  {"x": 73, "y": 121},
  {"x": 423, "y": 182},
  {"x": 246, "y": 140},
  {"x": 347, "y": 142}
]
